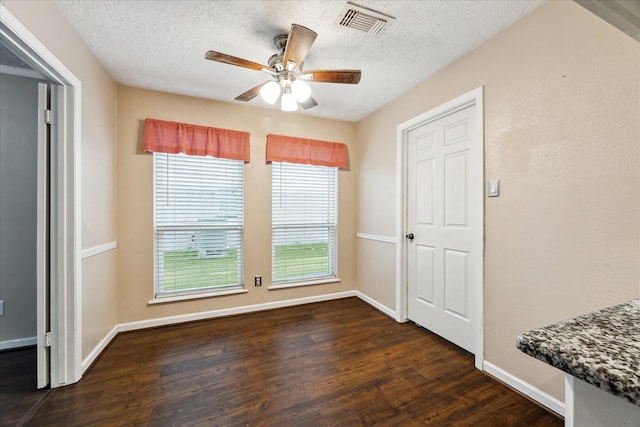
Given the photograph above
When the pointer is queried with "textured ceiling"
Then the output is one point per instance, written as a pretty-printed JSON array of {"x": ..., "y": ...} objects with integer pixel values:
[{"x": 161, "y": 44}]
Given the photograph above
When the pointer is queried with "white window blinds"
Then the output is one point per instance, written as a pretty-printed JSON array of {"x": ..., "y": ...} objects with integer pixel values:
[
  {"x": 199, "y": 205},
  {"x": 304, "y": 211}
]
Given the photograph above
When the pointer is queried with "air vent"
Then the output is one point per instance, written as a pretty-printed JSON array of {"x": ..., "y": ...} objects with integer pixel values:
[{"x": 363, "y": 19}]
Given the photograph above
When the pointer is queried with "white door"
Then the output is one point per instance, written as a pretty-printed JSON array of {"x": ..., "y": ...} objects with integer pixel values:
[
  {"x": 42, "y": 263},
  {"x": 444, "y": 217}
]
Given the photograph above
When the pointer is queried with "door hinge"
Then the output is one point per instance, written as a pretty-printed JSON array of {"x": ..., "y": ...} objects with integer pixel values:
[
  {"x": 47, "y": 339},
  {"x": 48, "y": 117}
]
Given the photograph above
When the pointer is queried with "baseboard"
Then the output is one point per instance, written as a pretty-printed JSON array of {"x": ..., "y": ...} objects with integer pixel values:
[
  {"x": 20, "y": 342},
  {"x": 98, "y": 349},
  {"x": 383, "y": 308},
  {"x": 163, "y": 321},
  {"x": 525, "y": 388}
]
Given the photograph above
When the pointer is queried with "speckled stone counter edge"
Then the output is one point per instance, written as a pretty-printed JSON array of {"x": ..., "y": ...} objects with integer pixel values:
[{"x": 601, "y": 348}]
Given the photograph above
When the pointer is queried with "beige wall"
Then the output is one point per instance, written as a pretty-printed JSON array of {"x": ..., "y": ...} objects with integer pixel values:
[
  {"x": 97, "y": 174},
  {"x": 562, "y": 101},
  {"x": 135, "y": 199}
]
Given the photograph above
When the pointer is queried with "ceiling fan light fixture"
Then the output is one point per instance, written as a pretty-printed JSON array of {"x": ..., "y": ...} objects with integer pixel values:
[
  {"x": 270, "y": 92},
  {"x": 286, "y": 67},
  {"x": 289, "y": 102},
  {"x": 300, "y": 90}
]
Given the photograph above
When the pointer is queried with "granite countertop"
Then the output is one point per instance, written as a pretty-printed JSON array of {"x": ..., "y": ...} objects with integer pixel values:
[{"x": 601, "y": 348}]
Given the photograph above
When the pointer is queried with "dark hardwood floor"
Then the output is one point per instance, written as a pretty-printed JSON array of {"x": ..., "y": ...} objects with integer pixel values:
[
  {"x": 337, "y": 363},
  {"x": 18, "y": 393}
]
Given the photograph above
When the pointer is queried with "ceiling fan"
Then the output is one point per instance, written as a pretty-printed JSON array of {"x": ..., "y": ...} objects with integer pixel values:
[{"x": 286, "y": 68}]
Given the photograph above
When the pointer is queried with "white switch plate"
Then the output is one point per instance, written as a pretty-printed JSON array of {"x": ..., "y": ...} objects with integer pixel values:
[{"x": 493, "y": 189}]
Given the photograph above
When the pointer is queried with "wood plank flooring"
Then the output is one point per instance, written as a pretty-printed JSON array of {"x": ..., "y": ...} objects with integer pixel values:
[
  {"x": 18, "y": 393},
  {"x": 336, "y": 363}
]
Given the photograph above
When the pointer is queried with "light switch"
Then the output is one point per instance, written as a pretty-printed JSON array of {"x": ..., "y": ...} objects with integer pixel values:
[{"x": 493, "y": 189}]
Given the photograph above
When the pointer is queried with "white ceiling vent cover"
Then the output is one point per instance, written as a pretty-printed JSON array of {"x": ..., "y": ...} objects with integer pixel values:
[{"x": 363, "y": 19}]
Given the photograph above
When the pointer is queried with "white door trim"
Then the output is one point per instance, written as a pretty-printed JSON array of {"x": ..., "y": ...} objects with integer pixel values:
[
  {"x": 474, "y": 97},
  {"x": 65, "y": 310}
]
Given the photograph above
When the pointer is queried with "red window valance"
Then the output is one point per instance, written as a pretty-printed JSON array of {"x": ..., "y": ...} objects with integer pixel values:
[
  {"x": 306, "y": 151},
  {"x": 172, "y": 137}
]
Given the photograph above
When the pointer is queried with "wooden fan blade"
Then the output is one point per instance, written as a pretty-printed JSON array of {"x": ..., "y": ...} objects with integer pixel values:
[
  {"x": 333, "y": 76},
  {"x": 232, "y": 60},
  {"x": 251, "y": 93},
  {"x": 309, "y": 103},
  {"x": 298, "y": 44}
]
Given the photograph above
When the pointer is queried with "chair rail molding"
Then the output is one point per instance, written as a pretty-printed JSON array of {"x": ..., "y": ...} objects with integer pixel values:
[
  {"x": 376, "y": 238},
  {"x": 97, "y": 250}
]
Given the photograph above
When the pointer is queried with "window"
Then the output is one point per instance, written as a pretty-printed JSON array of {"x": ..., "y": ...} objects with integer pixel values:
[
  {"x": 198, "y": 223},
  {"x": 303, "y": 222}
]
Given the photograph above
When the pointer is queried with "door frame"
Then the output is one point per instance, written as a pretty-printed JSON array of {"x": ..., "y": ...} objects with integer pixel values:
[
  {"x": 65, "y": 263},
  {"x": 471, "y": 98}
]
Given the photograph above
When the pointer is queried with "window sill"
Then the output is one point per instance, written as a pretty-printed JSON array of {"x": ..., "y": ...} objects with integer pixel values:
[
  {"x": 307, "y": 283},
  {"x": 187, "y": 297}
]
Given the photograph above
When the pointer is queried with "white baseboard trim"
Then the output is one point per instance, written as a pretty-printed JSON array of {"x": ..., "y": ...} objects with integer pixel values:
[
  {"x": 97, "y": 250},
  {"x": 98, "y": 349},
  {"x": 376, "y": 238},
  {"x": 386, "y": 310},
  {"x": 171, "y": 320},
  {"x": 20, "y": 342},
  {"x": 524, "y": 387}
]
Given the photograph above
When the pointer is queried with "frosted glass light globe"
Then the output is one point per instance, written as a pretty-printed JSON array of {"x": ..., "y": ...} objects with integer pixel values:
[
  {"x": 289, "y": 102},
  {"x": 300, "y": 90},
  {"x": 270, "y": 92}
]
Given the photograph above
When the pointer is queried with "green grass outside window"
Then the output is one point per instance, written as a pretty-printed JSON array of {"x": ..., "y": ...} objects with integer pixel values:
[{"x": 185, "y": 270}]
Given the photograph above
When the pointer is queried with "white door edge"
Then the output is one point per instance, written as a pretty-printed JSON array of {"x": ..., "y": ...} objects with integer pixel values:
[
  {"x": 473, "y": 97},
  {"x": 66, "y": 298},
  {"x": 42, "y": 253}
]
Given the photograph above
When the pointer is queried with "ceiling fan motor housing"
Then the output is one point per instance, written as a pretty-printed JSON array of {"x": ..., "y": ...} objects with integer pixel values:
[
  {"x": 275, "y": 61},
  {"x": 280, "y": 41},
  {"x": 276, "y": 64}
]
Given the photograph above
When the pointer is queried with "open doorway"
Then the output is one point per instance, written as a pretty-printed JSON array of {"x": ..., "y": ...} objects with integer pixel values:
[
  {"x": 19, "y": 200},
  {"x": 23, "y": 217},
  {"x": 57, "y": 304}
]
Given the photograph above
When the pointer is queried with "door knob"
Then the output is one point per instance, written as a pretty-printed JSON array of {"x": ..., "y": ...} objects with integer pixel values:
[{"x": 410, "y": 236}]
